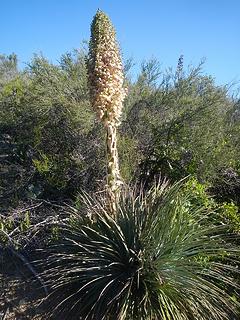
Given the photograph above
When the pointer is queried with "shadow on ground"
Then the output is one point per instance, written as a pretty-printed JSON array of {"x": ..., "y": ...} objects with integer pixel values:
[{"x": 20, "y": 291}]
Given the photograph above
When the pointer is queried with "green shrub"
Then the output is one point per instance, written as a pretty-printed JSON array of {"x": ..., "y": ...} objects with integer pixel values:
[
  {"x": 199, "y": 195},
  {"x": 183, "y": 123},
  {"x": 230, "y": 213},
  {"x": 219, "y": 212}
]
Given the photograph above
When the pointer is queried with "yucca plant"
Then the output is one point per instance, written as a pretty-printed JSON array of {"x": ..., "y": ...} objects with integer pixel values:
[
  {"x": 107, "y": 93},
  {"x": 158, "y": 259},
  {"x": 147, "y": 256}
]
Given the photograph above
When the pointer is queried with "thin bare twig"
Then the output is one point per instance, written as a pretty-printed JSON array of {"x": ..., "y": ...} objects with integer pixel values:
[
  {"x": 30, "y": 267},
  {"x": 4, "y": 317},
  {"x": 24, "y": 260},
  {"x": 30, "y": 208}
]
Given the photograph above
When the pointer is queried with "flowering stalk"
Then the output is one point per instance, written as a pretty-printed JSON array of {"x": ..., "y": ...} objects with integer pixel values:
[{"x": 107, "y": 93}]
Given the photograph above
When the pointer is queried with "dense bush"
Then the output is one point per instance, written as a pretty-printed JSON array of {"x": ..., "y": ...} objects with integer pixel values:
[
  {"x": 187, "y": 129},
  {"x": 50, "y": 146}
]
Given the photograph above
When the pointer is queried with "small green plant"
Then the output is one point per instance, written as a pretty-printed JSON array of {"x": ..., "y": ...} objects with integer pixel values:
[
  {"x": 6, "y": 226},
  {"x": 15, "y": 229},
  {"x": 199, "y": 194},
  {"x": 221, "y": 213},
  {"x": 25, "y": 223},
  {"x": 54, "y": 234},
  {"x": 43, "y": 165},
  {"x": 230, "y": 214}
]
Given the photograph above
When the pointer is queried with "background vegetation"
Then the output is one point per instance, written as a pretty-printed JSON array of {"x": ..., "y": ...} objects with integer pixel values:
[{"x": 176, "y": 123}]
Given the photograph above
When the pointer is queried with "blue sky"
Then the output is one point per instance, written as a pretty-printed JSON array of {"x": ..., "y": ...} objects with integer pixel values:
[{"x": 163, "y": 29}]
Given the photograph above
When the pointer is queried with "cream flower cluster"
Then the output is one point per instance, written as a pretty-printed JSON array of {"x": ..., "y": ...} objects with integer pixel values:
[{"x": 105, "y": 71}]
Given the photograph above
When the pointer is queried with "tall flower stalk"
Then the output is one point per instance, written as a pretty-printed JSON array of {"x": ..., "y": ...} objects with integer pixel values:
[{"x": 107, "y": 93}]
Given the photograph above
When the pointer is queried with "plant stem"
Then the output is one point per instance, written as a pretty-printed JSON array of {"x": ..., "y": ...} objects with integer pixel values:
[{"x": 113, "y": 173}]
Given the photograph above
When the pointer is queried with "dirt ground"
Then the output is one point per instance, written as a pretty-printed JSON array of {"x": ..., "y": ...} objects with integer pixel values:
[{"x": 20, "y": 292}]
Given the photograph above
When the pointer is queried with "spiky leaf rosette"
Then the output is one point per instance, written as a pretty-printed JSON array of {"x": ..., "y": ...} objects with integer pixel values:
[
  {"x": 105, "y": 70},
  {"x": 158, "y": 260}
]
